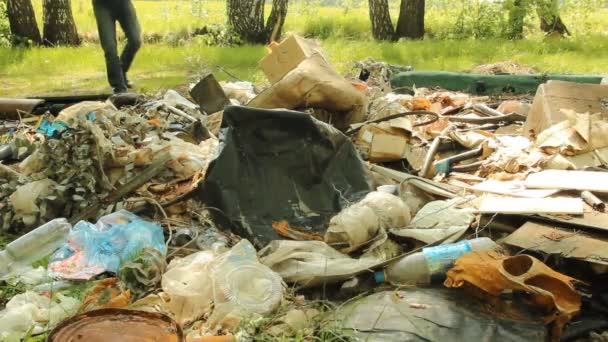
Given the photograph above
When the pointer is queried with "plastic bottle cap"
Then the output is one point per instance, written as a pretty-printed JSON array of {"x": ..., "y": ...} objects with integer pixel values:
[{"x": 379, "y": 276}]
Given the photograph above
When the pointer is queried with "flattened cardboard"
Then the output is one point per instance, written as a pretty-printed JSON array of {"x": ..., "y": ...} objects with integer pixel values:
[
  {"x": 514, "y": 188},
  {"x": 594, "y": 181},
  {"x": 563, "y": 242},
  {"x": 512, "y": 205}
]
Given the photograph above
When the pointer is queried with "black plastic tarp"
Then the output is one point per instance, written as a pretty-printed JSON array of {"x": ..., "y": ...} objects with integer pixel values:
[
  {"x": 281, "y": 165},
  {"x": 428, "y": 314}
]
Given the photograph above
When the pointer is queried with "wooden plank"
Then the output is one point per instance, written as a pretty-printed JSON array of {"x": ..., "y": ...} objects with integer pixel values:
[
  {"x": 512, "y": 205},
  {"x": 513, "y": 189},
  {"x": 569, "y": 180},
  {"x": 564, "y": 242}
]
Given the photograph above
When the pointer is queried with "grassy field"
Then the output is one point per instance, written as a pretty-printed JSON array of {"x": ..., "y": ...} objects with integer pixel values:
[{"x": 345, "y": 36}]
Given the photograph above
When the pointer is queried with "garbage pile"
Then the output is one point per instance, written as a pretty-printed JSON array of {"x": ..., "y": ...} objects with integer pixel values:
[{"x": 314, "y": 207}]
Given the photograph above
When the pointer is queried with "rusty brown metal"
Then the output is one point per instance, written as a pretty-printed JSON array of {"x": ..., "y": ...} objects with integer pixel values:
[{"x": 118, "y": 325}]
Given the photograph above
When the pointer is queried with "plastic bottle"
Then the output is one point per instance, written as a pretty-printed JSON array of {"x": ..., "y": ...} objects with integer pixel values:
[
  {"x": 424, "y": 267},
  {"x": 242, "y": 282},
  {"x": 35, "y": 245}
]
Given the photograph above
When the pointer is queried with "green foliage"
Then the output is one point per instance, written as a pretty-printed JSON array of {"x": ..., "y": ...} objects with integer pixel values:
[
  {"x": 344, "y": 27},
  {"x": 217, "y": 35},
  {"x": 5, "y": 32}
]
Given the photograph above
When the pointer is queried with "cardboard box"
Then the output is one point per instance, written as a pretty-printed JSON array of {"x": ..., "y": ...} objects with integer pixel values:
[
  {"x": 554, "y": 96},
  {"x": 287, "y": 55},
  {"x": 381, "y": 142}
]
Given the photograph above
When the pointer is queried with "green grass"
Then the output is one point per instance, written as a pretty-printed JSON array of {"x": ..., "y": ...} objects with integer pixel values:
[
  {"x": 346, "y": 38},
  {"x": 81, "y": 70}
]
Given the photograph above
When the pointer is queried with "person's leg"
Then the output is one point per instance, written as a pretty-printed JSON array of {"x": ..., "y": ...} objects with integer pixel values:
[
  {"x": 127, "y": 17},
  {"x": 106, "y": 26}
]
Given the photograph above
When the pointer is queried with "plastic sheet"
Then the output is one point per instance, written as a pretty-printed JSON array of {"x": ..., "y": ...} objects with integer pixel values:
[
  {"x": 312, "y": 263},
  {"x": 438, "y": 221},
  {"x": 188, "y": 287},
  {"x": 360, "y": 223},
  {"x": 32, "y": 312},
  {"x": 275, "y": 165},
  {"x": 116, "y": 238},
  {"x": 228, "y": 285},
  {"x": 417, "y": 315}
]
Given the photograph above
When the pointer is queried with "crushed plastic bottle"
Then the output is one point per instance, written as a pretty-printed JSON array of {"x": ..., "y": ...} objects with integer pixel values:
[
  {"x": 34, "y": 245},
  {"x": 423, "y": 267},
  {"x": 242, "y": 283}
]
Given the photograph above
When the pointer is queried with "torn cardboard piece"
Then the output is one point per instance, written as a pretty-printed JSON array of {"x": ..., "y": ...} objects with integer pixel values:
[
  {"x": 315, "y": 84},
  {"x": 287, "y": 55},
  {"x": 554, "y": 96},
  {"x": 558, "y": 241},
  {"x": 385, "y": 141}
]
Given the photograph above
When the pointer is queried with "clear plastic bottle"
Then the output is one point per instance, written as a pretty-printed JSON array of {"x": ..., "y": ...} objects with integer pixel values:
[
  {"x": 35, "y": 245},
  {"x": 424, "y": 267}
]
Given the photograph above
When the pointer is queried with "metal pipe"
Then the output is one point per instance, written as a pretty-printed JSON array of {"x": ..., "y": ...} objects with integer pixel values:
[
  {"x": 593, "y": 201},
  {"x": 485, "y": 110},
  {"x": 428, "y": 161}
]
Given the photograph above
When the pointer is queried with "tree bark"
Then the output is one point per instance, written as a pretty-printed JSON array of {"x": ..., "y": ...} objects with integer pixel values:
[
  {"x": 246, "y": 18},
  {"x": 22, "y": 20},
  {"x": 274, "y": 25},
  {"x": 550, "y": 20},
  {"x": 380, "y": 16},
  {"x": 59, "y": 25},
  {"x": 411, "y": 19},
  {"x": 517, "y": 14}
]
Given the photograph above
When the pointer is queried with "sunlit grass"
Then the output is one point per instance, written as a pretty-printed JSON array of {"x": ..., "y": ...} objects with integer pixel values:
[{"x": 346, "y": 38}]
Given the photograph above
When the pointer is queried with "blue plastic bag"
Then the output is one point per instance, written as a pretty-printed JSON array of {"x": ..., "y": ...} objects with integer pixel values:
[{"x": 115, "y": 239}]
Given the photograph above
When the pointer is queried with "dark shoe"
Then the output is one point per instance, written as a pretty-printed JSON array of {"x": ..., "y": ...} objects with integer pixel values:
[
  {"x": 126, "y": 99},
  {"x": 119, "y": 91}
]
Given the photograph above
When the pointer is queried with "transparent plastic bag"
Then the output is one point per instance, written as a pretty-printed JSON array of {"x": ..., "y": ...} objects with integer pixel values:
[{"x": 115, "y": 239}]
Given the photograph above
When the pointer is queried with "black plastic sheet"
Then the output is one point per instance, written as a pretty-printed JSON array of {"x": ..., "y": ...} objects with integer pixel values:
[
  {"x": 426, "y": 314},
  {"x": 281, "y": 165}
]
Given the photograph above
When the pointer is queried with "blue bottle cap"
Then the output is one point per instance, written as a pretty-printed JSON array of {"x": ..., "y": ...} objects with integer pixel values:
[{"x": 379, "y": 276}]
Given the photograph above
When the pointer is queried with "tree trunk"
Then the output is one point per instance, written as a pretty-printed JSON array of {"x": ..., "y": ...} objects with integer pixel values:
[
  {"x": 411, "y": 19},
  {"x": 59, "y": 25},
  {"x": 380, "y": 16},
  {"x": 550, "y": 21},
  {"x": 554, "y": 25},
  {"x": 517, "y": 14},
  {"x": 274, "y": 25},
  {"x": 22, "y": 20},
  {"x": 246, "y": 18}
]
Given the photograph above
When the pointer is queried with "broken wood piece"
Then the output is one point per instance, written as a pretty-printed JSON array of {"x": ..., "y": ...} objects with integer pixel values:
[
  {"x": 563, "y": 242},
  {"x": 512, "y": 205},
  {"x": 132, "y": 184},
  {"x": 514, "y": 188},
  {"x": 595, "y": 181},
  {"x": 593, "y": 201}
]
